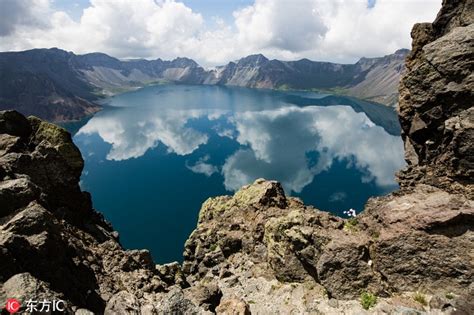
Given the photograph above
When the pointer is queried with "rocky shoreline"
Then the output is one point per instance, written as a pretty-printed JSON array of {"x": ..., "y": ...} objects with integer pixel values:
[{"x": 259, "y": 251}]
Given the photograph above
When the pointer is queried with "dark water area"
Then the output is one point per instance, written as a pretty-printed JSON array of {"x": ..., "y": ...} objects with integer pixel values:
[{"x": 154, "y": 155}]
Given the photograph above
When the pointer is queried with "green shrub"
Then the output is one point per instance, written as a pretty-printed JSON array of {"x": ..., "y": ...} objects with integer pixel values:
[
  {"x": 350, "y": 224},
  {"x": 449, "y": 295},
  {"x": 325, "y": 293},
  {"x": 367, "y": 300},
  {"x": 376, "y": 235},
  {"x": 420, "y": 298}
]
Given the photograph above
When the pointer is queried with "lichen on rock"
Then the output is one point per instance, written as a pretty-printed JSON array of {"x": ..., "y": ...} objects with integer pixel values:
[
  {"x": 51, "y": 239},
  {"x": 436, "y": 101}
]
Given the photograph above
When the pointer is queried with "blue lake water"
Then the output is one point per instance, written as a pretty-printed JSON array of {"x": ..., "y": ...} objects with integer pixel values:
[{"x": 154, "y": 155}]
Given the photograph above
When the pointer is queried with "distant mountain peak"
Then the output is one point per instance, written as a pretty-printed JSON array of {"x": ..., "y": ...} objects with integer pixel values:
[
  {"x": 183, "y": 62},
  {"x": 402, "y": 51},
  {"x": 253, "y": 60},
  {"x": 54, "y": 51}
]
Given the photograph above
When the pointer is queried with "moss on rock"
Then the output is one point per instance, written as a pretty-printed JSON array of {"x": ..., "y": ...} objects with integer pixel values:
[{"x": 58, "y": 138}]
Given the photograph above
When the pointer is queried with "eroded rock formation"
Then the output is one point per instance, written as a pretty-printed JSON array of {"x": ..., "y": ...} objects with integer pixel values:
[
  {"x": 52, "y": 242},
  {"x": 437, "y": 98}
]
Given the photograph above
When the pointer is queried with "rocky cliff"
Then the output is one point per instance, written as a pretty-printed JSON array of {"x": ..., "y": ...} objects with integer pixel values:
[
  {"x": 437, "y": 98},
  {"x": 60, "y": 86},
  {"x": 259, "y": 251},
  {"x": 52, "y": 243}
]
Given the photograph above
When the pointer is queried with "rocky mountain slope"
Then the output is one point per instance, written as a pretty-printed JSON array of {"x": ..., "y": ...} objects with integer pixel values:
[
  {"x": 59, "y": 86},
  {"x": 43, "y": 83},
  {"x": 259, "y": 251},
  {"x": 382, "y": 78},
  {"x": 370, "y": 78}
]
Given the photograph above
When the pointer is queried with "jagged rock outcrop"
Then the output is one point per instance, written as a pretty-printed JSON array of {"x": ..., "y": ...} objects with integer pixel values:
[
  {"x": 52, "y": 242},
  {"x": 400, "y": 243},
  {"x": 264, "y": 253},
  {"x": 437, "y": 99}
]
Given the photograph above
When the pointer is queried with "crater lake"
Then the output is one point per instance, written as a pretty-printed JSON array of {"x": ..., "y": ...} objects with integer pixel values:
[{"x": 154, "y": 155}]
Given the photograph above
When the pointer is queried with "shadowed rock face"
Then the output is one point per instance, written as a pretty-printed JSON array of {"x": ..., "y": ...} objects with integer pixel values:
[
  {"x": 259, "y": 251},
  {"x": 52, "y": 242},
  {"x": 437, "y": 98}
]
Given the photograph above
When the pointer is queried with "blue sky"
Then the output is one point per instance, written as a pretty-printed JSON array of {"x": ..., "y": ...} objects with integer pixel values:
[
  {"x": 214, "y": 32},
  {"x": 208, "y": 8},
  {"x": 220, "y": 8}
]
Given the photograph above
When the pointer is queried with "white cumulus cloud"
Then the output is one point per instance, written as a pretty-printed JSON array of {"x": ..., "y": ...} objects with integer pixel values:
[
  {"x": 16, "y": 15},
  {"x": 332, "y": 30}
]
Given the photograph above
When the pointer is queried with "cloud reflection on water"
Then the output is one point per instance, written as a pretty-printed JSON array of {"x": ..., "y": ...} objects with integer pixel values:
[
  {"x": 279, "y": 142},
  {"x": 290, "y": 144}
]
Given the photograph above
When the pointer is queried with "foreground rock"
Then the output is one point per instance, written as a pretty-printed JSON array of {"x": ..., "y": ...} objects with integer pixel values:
[
  {"x": 255, "y": 252},
  {"x": 436, "y": 101},
  {"x": 278, "y": 255},
  {"x": 51, "y": 239}
]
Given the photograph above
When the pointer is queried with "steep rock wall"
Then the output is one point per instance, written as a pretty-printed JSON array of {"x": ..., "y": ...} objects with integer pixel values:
[{"x": 437, "y": 99}]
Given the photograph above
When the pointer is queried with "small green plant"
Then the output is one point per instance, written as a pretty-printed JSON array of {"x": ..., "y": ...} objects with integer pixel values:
[
  {"x": 449, "y": 295},
  {"x": 350, "y": 225},
  {"x": 376, "y": 235},
  {"x": 213, "y": 247},
  {"x": 325, "y": 293},
  {"x": 251, "y": 302},
  {"x": 420, "y": 298},
  {"x": 309, "y": 285},
  {"x": 367, "y": 300}
]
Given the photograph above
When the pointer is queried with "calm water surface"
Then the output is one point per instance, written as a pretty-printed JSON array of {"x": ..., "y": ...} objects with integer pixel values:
[{"x": 154, "y": 155}]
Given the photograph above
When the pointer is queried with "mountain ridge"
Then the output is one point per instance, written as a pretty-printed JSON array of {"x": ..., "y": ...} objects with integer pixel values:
[{"x": 59, "y": 86}]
